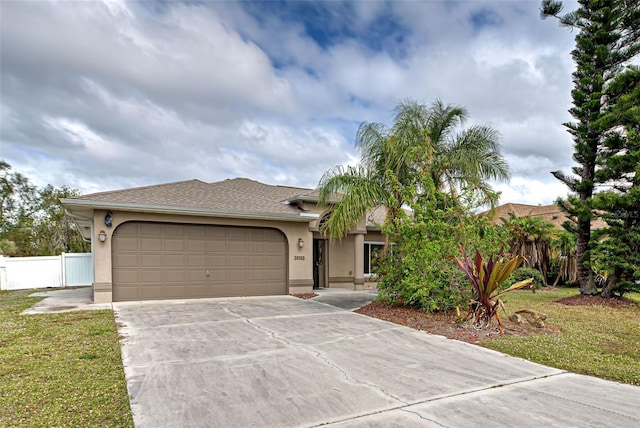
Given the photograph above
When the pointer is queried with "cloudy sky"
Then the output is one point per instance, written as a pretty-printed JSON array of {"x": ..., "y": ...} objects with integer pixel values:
[{"x": 101, "y": 95}]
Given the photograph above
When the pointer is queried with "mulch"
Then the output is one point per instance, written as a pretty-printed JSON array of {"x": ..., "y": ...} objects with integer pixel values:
[
  {"x": 443, "y": 323},
  {"x": 581, "y": 299},
  {"x": 305, "y": 295}
]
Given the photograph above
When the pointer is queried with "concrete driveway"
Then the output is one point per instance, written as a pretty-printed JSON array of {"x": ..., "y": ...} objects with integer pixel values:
[{"x": 283, "y": 361}]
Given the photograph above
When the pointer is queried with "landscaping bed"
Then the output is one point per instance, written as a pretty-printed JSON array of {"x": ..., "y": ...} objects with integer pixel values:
[{"x": 445, "y": 323}]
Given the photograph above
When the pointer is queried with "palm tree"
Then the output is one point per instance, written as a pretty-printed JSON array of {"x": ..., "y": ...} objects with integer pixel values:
[
  {"x": 532, "y": 238},
  {"x": 421, "y": 151}
]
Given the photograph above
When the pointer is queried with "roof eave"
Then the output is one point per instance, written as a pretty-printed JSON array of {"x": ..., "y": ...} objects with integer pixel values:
[{"x": 168, "y": 209}]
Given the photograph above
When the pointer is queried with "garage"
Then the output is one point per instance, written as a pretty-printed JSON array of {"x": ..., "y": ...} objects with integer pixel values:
[{"x": 179, "y": 261}]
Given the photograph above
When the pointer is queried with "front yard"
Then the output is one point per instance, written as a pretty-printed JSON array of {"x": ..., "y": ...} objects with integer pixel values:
[
  {"x": 66, "y": 369},
  {"x": 60, "y": 370}
]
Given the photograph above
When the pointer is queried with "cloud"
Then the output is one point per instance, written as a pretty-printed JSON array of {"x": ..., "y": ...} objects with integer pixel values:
[{"x": 104, "y": 95}]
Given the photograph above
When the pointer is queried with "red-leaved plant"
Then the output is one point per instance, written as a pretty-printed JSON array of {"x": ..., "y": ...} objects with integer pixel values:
[{"x": 486, "y": 277}]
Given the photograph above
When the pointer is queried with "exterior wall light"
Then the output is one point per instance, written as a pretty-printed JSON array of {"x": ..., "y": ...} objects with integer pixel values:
[
  {"x": 300, "y": 242},
  {"x": 102, "y": 236}
]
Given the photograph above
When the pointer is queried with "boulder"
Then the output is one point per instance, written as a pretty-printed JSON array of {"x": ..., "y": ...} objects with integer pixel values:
[{"x": 530, "y": 317}]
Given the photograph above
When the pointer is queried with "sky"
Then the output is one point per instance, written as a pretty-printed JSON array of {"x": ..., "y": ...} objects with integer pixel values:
[{"x": 104, "y": 95}]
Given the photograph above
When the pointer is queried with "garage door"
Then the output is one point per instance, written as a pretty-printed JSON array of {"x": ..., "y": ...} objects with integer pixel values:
[{"x": 176, "y": 261}]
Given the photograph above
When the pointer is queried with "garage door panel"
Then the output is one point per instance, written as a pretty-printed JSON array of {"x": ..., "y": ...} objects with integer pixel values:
[
  {"x": 152, "y": 291},
  {"x": 257, "y": 247},
  {"x": 219, "y": 276},
  {"x": 164, "y": 261},
  {"x": 197, "y": 245},
  {"x": 237, "y": 261},
  {"x": 274, "y": 275},
  {"x": 196, "y": 260},
  {"x": 174, "y": 275},
  {"x": 175, "y": 291},
  {"x": 237, "y": 275},
  {"x": 151, "y": 244},
  {"x": 274, "y": 261},
  {"x": 125, "y": 244},
  {"x": 196, "y": 275},
  {"x": 237, "y": 233},
  {"x": 238, "y": 247},
  {"x": 274, "y": 247},
  {"x": 127, "y": 277},
  {"x": 218, "y": 233},
  {"x": 128, "y": 293},
  {"x": 151, "y": 276},
  {"x": 197, "y": 232},
  {"x": 217, "y": 260},
  {"x": 174, "y": 259},
  {"x": 174, "y": 245},
  {"x": 217, "y": 246},
  {"x": 151, "y": 229},
  {"x": 171, "y": 230},
  {"x": 150, "y": 260},
  {"x": 125, "y": 260},
  {"x": 257, "y": 260}
]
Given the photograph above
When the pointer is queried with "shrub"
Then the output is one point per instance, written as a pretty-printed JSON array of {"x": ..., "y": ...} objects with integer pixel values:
[
  {"x": 420, "y": 269},
  {"x": 523, "y": 273},
  {"x": 486, "y": 276}
]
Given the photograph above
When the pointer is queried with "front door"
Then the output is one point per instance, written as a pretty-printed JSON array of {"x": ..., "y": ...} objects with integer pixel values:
[{"x": 319, "y": 258}]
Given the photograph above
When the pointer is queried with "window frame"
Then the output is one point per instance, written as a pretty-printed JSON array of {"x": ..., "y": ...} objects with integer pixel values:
[{"x": 364, "y": 255}]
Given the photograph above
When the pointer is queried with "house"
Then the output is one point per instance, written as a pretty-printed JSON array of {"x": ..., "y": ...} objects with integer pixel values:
[
  {"x": 551, "y": 213},
  {"x": 236, "y": 237}
]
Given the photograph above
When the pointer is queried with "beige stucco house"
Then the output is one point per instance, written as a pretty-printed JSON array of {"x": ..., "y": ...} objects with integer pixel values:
[
  {"x": 238, "y": 237},
  {"x": 551, "y": 213}
]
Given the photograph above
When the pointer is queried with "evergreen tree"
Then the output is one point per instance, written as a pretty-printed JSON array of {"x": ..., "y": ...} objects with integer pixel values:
[
  {"x": 616, "y": 249},
  {"x": 608, "y": 37}
]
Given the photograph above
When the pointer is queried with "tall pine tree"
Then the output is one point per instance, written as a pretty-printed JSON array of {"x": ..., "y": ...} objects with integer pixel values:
[
  {"x": 616, "y": 249},
  {"x": 608, "y": 37}
]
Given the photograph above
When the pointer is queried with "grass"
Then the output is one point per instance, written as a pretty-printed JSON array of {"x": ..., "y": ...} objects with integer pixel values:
[
  {"x": 593, "y": 340},
  {"x": 62, "y": 370}
]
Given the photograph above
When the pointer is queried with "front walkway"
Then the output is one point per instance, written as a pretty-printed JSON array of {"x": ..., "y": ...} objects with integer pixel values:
[{"x": 344, "y": 298}]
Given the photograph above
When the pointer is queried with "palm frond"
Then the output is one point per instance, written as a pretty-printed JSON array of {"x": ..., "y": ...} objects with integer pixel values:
[{"x": 356, "y": 191}]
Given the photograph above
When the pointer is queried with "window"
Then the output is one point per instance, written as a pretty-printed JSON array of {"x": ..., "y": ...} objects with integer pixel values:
[{"x": 371, "y": 250}]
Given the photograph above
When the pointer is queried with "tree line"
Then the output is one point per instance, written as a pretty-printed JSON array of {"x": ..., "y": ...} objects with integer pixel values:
[{"x": 32, "y": 219}]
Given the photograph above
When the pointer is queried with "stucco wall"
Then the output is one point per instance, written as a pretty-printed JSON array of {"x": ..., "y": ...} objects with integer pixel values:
[
  {"x": 341, "y": 258},
  {"x": 300, "y": 260}
]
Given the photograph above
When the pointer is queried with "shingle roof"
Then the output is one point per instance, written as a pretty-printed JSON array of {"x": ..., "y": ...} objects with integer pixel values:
[{"x": 238, "y": 195}]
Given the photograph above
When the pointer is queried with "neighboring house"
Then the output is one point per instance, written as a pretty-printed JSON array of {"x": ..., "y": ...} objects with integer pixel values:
[
  {"x": 236, "y": 237},
  {"x": 551, "y": 213}
]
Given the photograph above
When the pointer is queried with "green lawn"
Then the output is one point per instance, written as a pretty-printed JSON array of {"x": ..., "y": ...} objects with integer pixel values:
[
  {"x": 61, "y": 370},
  {"x": 597, "y": 341}
]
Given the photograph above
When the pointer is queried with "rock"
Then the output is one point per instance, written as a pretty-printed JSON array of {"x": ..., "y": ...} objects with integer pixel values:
[{"x": 529, "y": 316}]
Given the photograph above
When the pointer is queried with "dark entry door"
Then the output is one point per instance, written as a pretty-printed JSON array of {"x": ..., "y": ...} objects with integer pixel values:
[{"x": 318, "y": 263}]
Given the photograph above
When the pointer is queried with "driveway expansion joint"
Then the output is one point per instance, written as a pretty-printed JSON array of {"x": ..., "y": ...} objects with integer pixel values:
[
  {"x": 321, "y": 357},
  {"x": 423, "y": 418}
]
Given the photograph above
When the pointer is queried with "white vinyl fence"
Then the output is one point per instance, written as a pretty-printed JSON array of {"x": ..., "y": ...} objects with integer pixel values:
[{"x": 68, "y": 269}]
